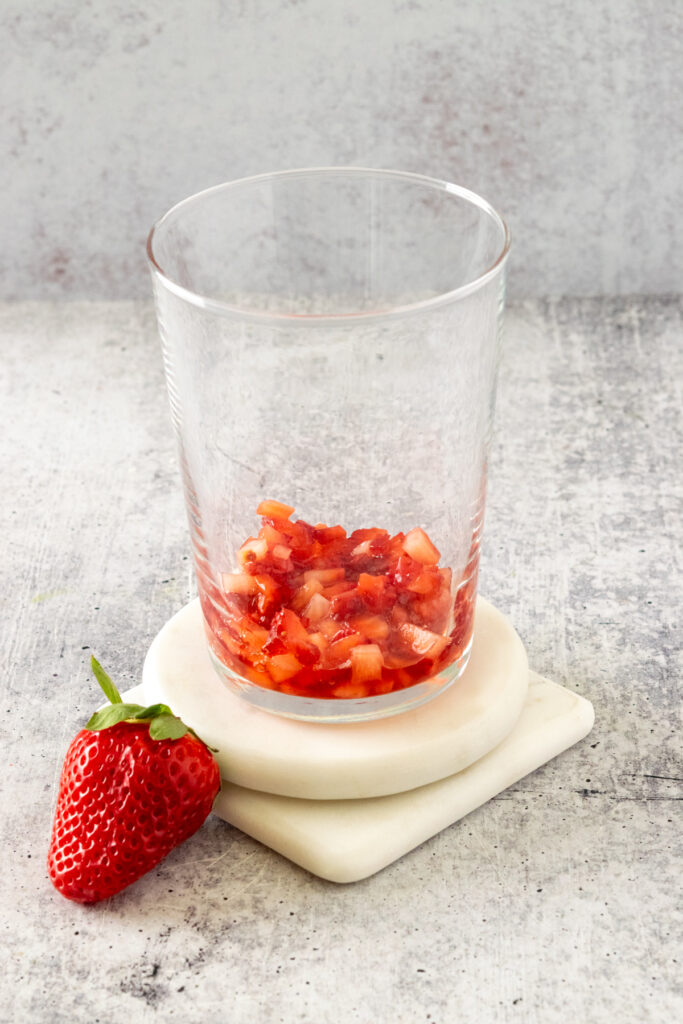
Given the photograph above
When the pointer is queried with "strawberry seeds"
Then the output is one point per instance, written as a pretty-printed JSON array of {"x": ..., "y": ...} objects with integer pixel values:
[{"x": 316, "y": 613}]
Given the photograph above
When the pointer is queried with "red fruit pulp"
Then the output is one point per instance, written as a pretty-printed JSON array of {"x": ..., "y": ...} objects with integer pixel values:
[{"x": 316, "y": 613}]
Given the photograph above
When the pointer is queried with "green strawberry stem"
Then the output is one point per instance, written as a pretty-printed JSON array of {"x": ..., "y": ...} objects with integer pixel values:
[{"x": 163, "y": 724}]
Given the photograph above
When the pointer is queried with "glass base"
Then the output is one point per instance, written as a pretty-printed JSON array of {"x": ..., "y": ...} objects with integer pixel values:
[{"x": 333, "y": 712}]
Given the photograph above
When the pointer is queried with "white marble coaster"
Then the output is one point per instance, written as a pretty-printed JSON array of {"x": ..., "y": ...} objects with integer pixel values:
[
  {"x": 347, "y": 840},
  {"x": 316, "y": 761}
]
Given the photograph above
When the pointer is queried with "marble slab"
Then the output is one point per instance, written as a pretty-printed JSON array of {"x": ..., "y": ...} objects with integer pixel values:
[{"x": 347, "y": 840}]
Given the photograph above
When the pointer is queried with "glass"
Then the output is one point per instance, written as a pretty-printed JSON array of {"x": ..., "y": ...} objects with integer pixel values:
[{"x": 330, "y": 342}]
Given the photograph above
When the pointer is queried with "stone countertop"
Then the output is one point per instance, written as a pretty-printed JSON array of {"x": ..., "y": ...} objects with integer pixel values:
[{"x": 555, "y": 901}]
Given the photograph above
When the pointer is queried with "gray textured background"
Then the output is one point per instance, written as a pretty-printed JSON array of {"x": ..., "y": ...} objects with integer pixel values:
[
  {"x": 566, "y": 116},
  {"x": 555, "y": 903}
]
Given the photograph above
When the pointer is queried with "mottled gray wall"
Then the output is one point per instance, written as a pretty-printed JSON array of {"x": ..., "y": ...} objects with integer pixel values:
[{"x": 567, "y": 116}]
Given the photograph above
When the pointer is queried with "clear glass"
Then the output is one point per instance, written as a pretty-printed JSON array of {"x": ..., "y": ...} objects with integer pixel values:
[{"x": 330, "y": 341}]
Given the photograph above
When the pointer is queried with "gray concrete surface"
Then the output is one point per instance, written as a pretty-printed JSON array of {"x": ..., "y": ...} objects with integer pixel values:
[
  {"x": 566, "y": 116},
  {"x": 555, "y": 902}
]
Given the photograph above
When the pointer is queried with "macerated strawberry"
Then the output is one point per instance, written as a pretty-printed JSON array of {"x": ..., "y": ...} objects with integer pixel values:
[
  {"x": 331, "y": 590},
  {"x": 324, "y": 576},
  {"x": 374, "y": 627},
  {"x": 238, "y": 583},
  {"x": 317, "y": 608},
  {"x": 417, "y": 544},
  {"x": 274, "y": 510},
  {"x": 346, "y": 604},
  {"x": 366, "y": 663},
  {"x": 253, "y": 550},
  {"x": 303, "y": 594},
  {"x": 289, "y": 628},
  {"x": 376, "y": 591},
  {"x": 423, "y": 641},
  {"x": 321, "y": 594},
  {"x": 136, "y": 782},
  {"x": 339, "y": 651},
  {"x": 351, "y": 691},
  {"x": 283, "y": 666},
  {"x": 327, "y": 535}
]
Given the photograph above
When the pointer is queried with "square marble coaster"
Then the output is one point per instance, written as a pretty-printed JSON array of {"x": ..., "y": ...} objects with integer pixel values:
[{"x": 347, "y": 840}]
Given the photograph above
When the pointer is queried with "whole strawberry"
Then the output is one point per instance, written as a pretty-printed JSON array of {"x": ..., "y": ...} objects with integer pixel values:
[{"x": 136, "y": 783}]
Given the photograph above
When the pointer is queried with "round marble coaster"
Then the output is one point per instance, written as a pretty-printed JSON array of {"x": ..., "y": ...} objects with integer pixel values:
[{"x": 315, "y": 761}]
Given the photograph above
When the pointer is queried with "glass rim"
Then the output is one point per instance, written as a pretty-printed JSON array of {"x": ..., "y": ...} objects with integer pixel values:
[{"x": 216, "y": 306}]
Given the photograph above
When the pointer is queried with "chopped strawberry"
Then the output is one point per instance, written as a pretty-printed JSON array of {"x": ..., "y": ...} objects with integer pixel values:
[
  {"x": 418, "y": 545},
  {"x": 376, "y": 591},
  {"x": 366, "y": 663},
  {"x": 324, "y": 576},
  {"x": 274, "y": 510},
  {"x": 345, "y": 604},
  {"x": 317, "y": 608},
  {"x": 302, "y": 595},
  {"x": 306, "y": 597},
  {"x": 239, "y": 583},
  {"x": 288, "y": 627},
  {"x": 351, "y": 691},
  {"x": 283, "y": 666},
  {"x": 423, "y": 641},
  {"x": 253, "y": 550},
  {"x": 339, "y": 651},
  {"x": 374, "y": 627}
]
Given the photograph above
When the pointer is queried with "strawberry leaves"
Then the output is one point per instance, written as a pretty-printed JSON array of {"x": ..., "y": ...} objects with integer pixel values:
[
  {"x": 163, "y": 724},
  {"x": 105, "y": 681}
]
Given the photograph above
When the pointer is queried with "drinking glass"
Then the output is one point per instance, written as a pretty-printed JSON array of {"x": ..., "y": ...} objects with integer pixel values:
[{"x": 330, "y": 341}]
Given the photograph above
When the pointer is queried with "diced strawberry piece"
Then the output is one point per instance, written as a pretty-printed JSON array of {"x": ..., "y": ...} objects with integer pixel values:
[
  {"x": 253, "y": 550},
  {"x": 324, "y": 576},
  {"x": 418, "y": 545},
  {"x": 303, "y": 594},
  {"x": 317, "y": 608},
  {"x": 423, "y": 641},
  {"x": 426, "y": 583},
  {"x": 340, "y": 587},
  {"x": 351, "y": 691},
  {"x": 374, "y": 627},
  {"x": 260, "y": 677},
  {"x": 269, "y": 592},
  {"x": 281, "y": 553},
  {"x": 329, "y": 628},
  {"x": 433, "y": 612},
  {"x": 239, "y": 583},
  {"x": 405, "y": 571},
  {"x": 346, "y": 604},
  {"x": 398, "y": 615},
  {"x": 329, "y": 534},
  {"x": 320, "y": 641},
  {"x": 244, "y": 636},
  {"x": 289, "y": 628},
  {"x": 271, "y": 536},
  {"x": 274, "y": 645},
  {"x": 274, "y": 510},
  {"x": 396, "y": 547},
  {"x": 366, "y": 663},
  {"x": 254, "y": 636},
  {"x": 339, "y": 652},
  {"x": 375, "y": 539},
  {"x": 283, "y": 666},
  {"x": 376, "y": 591},
  {"x": 371, "y": 552}
]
